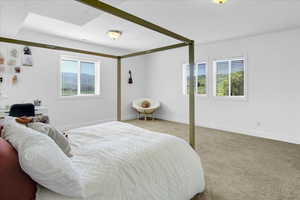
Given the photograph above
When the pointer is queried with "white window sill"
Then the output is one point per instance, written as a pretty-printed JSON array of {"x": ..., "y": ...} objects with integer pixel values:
[
  {"x": 231, "y": 98},
  {"x": 201, "y": 95},
  {"x": 198, "y": 95},
  {"x": 82, "y": 97}
]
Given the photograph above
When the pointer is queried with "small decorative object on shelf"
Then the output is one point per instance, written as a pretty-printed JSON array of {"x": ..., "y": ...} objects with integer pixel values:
[
  {"x": 37, "y": 102},
  {"x": 130, "y": 80}
]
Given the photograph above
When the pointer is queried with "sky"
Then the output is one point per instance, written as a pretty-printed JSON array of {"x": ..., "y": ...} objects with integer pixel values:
[
  {"x": 70, "y": 66},
  {"x": 236, "y": 66}
]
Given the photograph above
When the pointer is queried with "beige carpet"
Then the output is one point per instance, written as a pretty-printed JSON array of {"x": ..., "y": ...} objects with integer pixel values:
[{"x": 239, "y": 167}]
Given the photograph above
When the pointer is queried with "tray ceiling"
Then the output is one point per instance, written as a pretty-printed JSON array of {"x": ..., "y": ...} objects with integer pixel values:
[{"x": 200, "y": 20}]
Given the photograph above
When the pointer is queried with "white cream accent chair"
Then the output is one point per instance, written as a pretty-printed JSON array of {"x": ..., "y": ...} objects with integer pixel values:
[{"x": 145, "y": 112}]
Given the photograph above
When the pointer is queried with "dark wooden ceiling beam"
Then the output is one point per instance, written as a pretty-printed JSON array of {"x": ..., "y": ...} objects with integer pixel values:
[
  {"x": 174, "y": 46},
  {"x": 129, "y": 17},
  {"x": 54, "y": 47}
]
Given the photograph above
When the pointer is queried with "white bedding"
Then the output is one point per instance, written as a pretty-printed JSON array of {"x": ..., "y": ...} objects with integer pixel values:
[{"x": 118, "y": 161}]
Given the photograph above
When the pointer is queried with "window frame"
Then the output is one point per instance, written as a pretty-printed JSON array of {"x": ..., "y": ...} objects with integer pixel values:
[
  {"x": 230, "y": 60},
  {"x": 184, "y": 82},
  {"x": 97, "y": 77}
]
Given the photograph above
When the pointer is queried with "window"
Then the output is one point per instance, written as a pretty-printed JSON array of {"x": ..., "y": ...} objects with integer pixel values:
[
  {"x": 79, "y": 77},
  {"x": 229, "y": 78},
  {"x": 200, "y": 79}
]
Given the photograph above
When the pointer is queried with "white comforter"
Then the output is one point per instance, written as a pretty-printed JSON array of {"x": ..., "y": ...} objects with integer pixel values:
[{"x": 118, "y": 161}]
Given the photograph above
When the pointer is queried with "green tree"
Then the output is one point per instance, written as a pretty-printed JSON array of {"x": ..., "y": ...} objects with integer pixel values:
[{"x": 237, "y": 83}]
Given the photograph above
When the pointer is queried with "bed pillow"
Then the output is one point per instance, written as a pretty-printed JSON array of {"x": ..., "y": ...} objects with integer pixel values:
[
  {"x": 12, "y": 177},
  {"x": 7, "y": 120},
  {"x": 43, "y": 160},
  {"x": 55, "y": 134}
]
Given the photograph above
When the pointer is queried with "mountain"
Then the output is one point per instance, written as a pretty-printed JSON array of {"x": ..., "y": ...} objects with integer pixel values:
[{"x": 70, "y": 81}]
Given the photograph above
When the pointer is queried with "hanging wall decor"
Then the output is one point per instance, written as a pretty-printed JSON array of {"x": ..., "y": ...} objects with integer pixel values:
[
  {"x": 18, "y": 70},
  {"x": 27, "y": 59},
  {"x": 2, "y": 60},
  {"x": 11, "y": 62},
  {"x": 13, "y": 52},
  {"x": 130, "y": 80},
  {"x": 12, "y": 56}
]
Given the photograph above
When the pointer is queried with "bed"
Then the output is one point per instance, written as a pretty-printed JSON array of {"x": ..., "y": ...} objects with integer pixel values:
[{"x": 120, "y": 161}]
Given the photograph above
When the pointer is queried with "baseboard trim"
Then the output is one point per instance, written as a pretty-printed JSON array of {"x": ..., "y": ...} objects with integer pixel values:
[
  {"x": 129, "y": 117},
  {"x": 254, "y": 133}
]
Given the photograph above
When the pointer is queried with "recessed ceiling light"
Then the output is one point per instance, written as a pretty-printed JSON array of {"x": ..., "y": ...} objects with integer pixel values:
[
  {"x": 220, "y": 1},
  {"x": 114, "y": 34}
]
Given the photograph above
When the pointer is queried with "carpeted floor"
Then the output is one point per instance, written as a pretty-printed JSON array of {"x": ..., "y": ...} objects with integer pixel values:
[{"x": 239, "y": 167}]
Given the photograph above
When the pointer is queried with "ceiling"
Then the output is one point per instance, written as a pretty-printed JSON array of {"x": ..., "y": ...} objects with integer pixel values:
[{"x": 200, "y": 20}]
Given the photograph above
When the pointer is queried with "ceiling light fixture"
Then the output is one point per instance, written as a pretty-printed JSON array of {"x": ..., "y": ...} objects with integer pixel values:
[
  {"x": 220, "y": 1},
  {"x": 114, "y": 34}
]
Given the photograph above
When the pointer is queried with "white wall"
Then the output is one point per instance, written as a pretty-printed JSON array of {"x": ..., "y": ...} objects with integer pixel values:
[
  {"x": 272, "y": 109},
  {"x": 133, "y": 91},
  {"x": 42, "y": 81}
]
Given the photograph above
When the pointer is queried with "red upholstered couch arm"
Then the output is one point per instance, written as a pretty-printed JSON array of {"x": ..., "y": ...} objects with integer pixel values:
[{"x": 14, "y": 183}]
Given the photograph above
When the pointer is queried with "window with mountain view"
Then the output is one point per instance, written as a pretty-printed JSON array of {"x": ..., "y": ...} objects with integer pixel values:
[
  {"x": 200, "y": 79},
  {"x": 79, "y": 78},
  {"x": 229, "y": 78}
]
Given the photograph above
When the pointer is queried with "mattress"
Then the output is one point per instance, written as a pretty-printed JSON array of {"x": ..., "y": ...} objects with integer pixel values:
[{"x": 118, "y": 161}]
